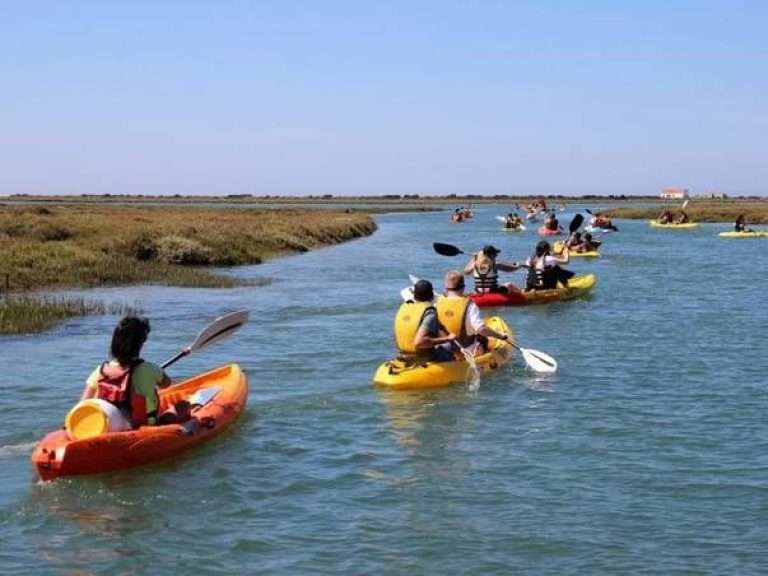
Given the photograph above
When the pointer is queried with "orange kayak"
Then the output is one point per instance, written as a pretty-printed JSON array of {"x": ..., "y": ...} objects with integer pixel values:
[{"x": 218, "y": 398}]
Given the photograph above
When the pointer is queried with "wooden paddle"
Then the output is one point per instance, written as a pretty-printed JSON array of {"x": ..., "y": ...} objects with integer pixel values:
[{"x": 217, "y": 330}]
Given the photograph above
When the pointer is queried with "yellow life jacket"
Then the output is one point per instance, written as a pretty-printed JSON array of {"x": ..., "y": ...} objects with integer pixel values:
[
  {"x": 451, "y": 313},
  {"x": 407, "y": 322}
]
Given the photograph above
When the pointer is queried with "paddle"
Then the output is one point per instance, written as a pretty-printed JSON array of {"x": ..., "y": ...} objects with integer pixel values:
[
  {"x": 535, "y": 359},
  {"x": 217, "y": 330},
  {"x": 576, "y": 223}
]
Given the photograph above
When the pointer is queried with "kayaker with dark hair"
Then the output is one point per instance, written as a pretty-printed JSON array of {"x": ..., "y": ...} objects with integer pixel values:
[
  {"x": 551, "y": 223},
  {"x": 741, "y": 225},
  {"x": 665, "y": 218},
  {"x": 682, "y": 218},
  {"x": 544, "y": 271},
  {"x": 126, "y": 380},
  {"x": 588, "y": 244},
  {"x": 460, "y": 316},
  {"x": 574, "y": 240},
  {"x": 417, "y": 329},
  {"x": 457, "y": 215},
  {"x": 485, "y": 271},
  {"x": 512, "y": 222}
]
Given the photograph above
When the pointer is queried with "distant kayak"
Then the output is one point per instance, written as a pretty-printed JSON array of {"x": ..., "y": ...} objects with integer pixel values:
[
  {"x": 755, "y": 234},
  {"x": 543, "y": 231},
  {"x": 686, "y": 226},
  {"x": 558, "y": 249},
  {"x": 221, "y": 393},
  {"x": 577, "y": 286},
  {"x": 597, "y": 230},
  {"x": 400, "y": 375},
  {"x": 518, "y": 229}
]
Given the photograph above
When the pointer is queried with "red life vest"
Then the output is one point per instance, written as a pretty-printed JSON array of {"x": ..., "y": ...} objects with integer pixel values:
[{"x": 114, "y": 385}]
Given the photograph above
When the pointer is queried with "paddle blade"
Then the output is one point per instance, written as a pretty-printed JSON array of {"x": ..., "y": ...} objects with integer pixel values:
[
  {"x": 407, "y": 294},
  {"x": 588, "y": 211},
  {"x": 576, "y": 223},
  {"x": 539, "y": 361},
  {"x": 446, "y": 249},
  {"x": 219, "y": 329},
  {"x": 501, "y": 218},
  {"x": 684, "y": 205},
  {"x": 413, "y": 278},
  {"x": 522, "y": 227}
]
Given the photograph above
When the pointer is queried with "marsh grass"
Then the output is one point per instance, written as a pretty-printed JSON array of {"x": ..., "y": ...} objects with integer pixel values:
[
  {"x": 56, "y": 246},
  {"x": 23, "y": 314},
  {"x": 80, "y": 246}
]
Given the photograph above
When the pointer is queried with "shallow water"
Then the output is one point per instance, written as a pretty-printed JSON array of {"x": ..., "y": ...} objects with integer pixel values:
[{"x": 646, "y": 453}]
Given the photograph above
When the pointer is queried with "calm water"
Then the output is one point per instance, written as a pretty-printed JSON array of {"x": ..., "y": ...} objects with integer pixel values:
[{"x": 646, "y": 453}]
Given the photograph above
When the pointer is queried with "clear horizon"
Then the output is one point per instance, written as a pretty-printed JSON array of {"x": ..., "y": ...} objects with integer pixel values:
[{"x": 356, "y": 99}]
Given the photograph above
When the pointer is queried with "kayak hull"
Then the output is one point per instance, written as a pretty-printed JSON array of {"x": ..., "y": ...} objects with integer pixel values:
[
  {"x": 577, "y": 286},
  {"x": 734, "y": 234},
  {"x": 57, "y": 455},
  {"x": 396, "y": 375},
  {"x": 686, "y": 226},
  {"x": 558, "y": 249}
]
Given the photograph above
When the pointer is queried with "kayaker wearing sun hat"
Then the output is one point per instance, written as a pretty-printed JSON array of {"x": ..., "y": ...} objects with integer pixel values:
[{"x": 485, "y": 271}]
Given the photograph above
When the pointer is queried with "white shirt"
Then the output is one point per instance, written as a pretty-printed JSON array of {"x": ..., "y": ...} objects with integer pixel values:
[{"x": 543, "y": 262}]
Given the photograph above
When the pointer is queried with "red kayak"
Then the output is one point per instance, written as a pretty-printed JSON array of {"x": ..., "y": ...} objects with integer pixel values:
[
  {"x": 547, "y": 232},
  {"x": 577, "y": 286}
]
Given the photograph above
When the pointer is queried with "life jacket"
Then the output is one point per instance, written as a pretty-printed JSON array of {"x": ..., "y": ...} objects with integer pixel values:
[
  {"x": 115, "y": 386},
  {"x": 407, "y": 322},
  {"x": 540, "y": 277},
  {"x": 485, "y": 274},
  {"x": 452, "y": 313}
]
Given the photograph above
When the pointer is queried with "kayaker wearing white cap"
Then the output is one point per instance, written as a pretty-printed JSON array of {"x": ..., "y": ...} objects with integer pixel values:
[{"x": 485, "y": 271}]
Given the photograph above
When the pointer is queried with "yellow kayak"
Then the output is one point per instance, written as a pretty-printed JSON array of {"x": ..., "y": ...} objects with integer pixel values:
[
  {"x": 396, "y": 374},
  {"x": 558, "y": 249},
  {"x": 756, "y": 234},
  {"x": 686, "y": 226}
]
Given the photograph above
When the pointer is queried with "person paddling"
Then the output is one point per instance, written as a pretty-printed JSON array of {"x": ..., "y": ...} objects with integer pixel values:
[
  {"x": 682, "y": 218},
  {"x": 551, "y": 223},
  {"x": 418, "y": 331},
  {"x": 460, "y": 316},
  {"x": 126, "y": 380},
  {"x": 741, "y": 225},
  {"x": 544, "y": 271},
  {"x": 513, "y": 222},
  {"x": 485, "y": 271}
]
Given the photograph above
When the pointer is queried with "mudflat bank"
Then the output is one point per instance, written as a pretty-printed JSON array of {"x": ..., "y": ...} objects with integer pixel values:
[{"x": 63, "y": 246}]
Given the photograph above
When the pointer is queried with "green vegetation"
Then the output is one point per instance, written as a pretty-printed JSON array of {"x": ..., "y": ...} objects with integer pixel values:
[
  {"x": 57, "y": 246},
  {"x": 21, "y": 314},
  {"x": 64, "y": 246},
  {"x": 755, "y": 211}
]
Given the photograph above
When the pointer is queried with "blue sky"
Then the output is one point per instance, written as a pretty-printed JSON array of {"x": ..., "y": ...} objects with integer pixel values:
[{"x": 161, "y": 97}]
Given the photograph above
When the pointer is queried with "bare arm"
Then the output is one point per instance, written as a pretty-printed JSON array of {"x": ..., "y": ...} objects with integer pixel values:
[
  {"x": 491, "y": 333},
  {"x": 423, "y": 341},
  {"x": 470, "y": 267},
  {"x": 88, "y": 392},
  {"x": 508, "y": 267}
]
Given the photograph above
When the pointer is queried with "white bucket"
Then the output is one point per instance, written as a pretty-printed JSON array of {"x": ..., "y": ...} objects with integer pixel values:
[{"x": 92, "y": 417}]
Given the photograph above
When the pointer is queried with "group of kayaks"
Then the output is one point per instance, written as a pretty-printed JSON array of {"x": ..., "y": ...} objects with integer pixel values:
[
  {"x": 219, "y": 396},
  {"x": 692, "y": 225}
]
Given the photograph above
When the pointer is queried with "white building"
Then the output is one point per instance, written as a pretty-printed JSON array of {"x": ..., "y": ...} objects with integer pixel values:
[{"x": 675, "y": 193}]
